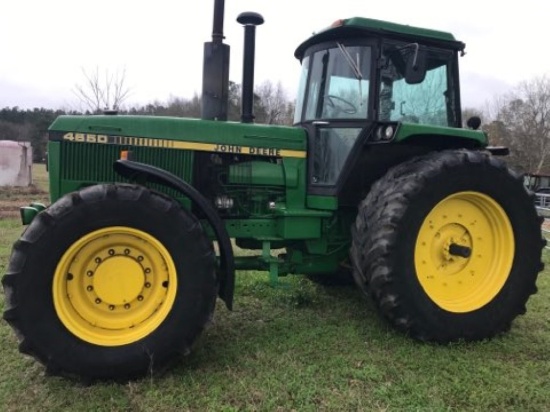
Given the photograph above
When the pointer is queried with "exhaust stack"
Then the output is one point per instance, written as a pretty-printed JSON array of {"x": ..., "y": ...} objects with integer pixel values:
[
  {"x": 215, "y": 75},
  {"x": 249, "y": 20}
]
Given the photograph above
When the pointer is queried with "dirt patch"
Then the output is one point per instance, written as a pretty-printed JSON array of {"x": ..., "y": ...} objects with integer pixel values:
[{"x": 12, "y": 198}]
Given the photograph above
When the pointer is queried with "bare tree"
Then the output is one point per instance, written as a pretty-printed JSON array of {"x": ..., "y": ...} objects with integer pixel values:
[
  {"x": 102, "y": 90},
  {"x": 273, "y": 106},
  {"x": 522, "y": 122}
]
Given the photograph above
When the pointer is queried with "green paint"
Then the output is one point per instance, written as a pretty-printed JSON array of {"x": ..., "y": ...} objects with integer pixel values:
[
  {"x": 188, "y": 130},
  {"x": 388, "y": 27},
  {"x": 257, "y": 173},
  {"x": 363, "y": 27},
  {"x": 322, "y": 202},
  {"x": 28, "y": 213},
  {"x": 54, "y": 170},
  {"x": 413, "y": 130}
]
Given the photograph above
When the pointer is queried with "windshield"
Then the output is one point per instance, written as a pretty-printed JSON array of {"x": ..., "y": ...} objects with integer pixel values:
[{"x": 338, "y": 84}]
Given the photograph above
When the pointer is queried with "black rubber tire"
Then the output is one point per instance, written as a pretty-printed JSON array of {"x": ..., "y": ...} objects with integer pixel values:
[
  {"x": 29, "y": 306},
  {"x": 387, "y": 227}
]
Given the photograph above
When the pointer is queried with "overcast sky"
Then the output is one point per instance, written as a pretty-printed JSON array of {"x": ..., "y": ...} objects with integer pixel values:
[{"x": 45, "y": 45}]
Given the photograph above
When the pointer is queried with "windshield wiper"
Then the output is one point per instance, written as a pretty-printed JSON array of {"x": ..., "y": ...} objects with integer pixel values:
[{"x": 354, "y": 65}]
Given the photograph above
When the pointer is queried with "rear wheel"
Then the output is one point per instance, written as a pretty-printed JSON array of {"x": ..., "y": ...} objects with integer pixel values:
[
  {"x": 448, "y": 246},
  {"x": 113, "y": 281}
]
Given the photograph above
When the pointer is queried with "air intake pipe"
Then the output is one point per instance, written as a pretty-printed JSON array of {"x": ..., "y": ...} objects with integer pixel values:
[{"x": 249, "y": 20}]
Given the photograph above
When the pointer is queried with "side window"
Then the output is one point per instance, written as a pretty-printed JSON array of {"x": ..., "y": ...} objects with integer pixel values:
[
  {"x": 427, "y": 102},
  {"x": 319, "y": 62},
  {"x": 301, "y": 90}
]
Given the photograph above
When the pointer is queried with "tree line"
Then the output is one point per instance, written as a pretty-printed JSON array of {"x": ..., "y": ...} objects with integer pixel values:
[
  {"x": 519, "y": 120},
  {"x": 28, "y": 125},
  {"x": 271, "y": 106}
]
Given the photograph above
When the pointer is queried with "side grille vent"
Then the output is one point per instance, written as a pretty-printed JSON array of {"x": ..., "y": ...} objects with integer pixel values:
[{"x": 93, "y": 163}]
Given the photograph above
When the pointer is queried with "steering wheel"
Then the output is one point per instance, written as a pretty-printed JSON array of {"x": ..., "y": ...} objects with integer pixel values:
[{"x": 349, "y": 107}]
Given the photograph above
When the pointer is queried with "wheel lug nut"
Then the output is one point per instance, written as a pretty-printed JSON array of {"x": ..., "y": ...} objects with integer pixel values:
[
  {"x": 147, "y": 285},
  {"x": 140, "y": 298},
  {"x": 89, "y": 288},
  {"x": 140, "y": 258},
  {"x": 89, "y": 273},
  {"x": 147, "y": 270},
  {"x": 126, "y": 251},
  {"x": 127, "y": 306},
  {"x": 97, "y": 260},
  {"x": 111, "y": 252},
  {"x": 98, "y": 301},
  {"x": 111, "y": 307}
]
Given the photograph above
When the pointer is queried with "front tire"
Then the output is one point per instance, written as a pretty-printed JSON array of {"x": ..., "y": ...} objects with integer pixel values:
[
  {"x": 448, "y": 246},
  {"x": 110, "y": 282}
]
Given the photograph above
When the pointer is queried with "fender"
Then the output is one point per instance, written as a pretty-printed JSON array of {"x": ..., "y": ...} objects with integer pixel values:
[{"x": 141, "y": 171}]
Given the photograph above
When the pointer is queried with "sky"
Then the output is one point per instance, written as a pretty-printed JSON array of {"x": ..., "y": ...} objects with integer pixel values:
[{"x": 46, "y": 45}]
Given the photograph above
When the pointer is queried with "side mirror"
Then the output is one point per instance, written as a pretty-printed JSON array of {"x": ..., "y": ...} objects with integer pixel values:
[{"x": 415, "y": 64}]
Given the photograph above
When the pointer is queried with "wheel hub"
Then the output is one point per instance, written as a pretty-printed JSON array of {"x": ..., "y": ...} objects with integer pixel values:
[
  {"x": 118, "y": 280},
  {"x": 114, "y": 286},
  {"x": 464, "y": 251}
]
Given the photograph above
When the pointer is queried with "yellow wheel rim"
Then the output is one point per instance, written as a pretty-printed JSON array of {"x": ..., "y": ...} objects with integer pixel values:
[
  {"x": 114, "y": 286},
  {"x": 464, "y": 251}
]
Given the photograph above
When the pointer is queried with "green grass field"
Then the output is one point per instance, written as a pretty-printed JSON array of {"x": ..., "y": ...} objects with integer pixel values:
[{"x": 305, "y": 348}]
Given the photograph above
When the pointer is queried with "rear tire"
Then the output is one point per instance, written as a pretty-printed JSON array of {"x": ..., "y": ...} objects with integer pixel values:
[
  {"x": 110, "y": 282},
  {"x": 448, "y": 246}
]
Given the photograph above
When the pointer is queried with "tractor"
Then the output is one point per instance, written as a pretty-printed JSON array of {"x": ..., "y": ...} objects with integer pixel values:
[{"x": 377, "y": 180}]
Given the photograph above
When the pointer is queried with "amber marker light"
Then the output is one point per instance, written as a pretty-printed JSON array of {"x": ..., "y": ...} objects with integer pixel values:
[{"x": 125, "y": 155}]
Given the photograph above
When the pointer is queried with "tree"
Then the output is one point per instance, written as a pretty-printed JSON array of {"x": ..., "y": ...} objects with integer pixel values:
[
  {"x": 234, "y": 102},
  {"x": 522, "y": 122},
  {"x": 272, "y": 105},
  {"x": 27, "y": 125},
  {"x": 99, "y": 92}
]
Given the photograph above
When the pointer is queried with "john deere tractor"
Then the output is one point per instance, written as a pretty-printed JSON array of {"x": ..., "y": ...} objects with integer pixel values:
[{"x": 377, "y": 177}]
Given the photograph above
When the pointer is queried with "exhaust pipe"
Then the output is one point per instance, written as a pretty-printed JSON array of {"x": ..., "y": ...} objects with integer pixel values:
[
  {"x": 215, "y": 74},
  {"x": 249, "y": 20}
]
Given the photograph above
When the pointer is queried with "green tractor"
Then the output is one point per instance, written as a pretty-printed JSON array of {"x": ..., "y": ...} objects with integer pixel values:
[{"x": 377, "y": 178}]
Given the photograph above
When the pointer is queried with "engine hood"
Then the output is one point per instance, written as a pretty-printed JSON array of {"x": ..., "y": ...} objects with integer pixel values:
[{"x": 182, "y": 133}]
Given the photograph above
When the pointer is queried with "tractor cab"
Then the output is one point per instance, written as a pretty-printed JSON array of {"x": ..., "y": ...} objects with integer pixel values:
[{"x": 361, "y": 80}]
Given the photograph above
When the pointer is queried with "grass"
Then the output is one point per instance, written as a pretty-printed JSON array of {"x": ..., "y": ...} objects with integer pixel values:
[{"x": 305, "y": 347}]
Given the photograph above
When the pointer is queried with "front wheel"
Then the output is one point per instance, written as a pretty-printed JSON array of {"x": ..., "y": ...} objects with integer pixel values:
[
  {"x": 111, "y": 282},
  {"x": 448, "y": 246}
]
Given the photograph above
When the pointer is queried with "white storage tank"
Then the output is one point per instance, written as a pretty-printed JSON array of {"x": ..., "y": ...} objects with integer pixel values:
[{"x": 15, "y": 163}]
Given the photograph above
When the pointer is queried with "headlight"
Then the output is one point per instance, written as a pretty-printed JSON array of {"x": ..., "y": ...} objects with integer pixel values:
[
  {"x": 384, "y": 132},
  {"x": 388, "y": 132},
  {"x": 224, "y": 202}
]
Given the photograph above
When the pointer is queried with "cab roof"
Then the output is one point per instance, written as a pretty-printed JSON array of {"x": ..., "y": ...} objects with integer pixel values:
[{"x": 361, "y": 27}]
